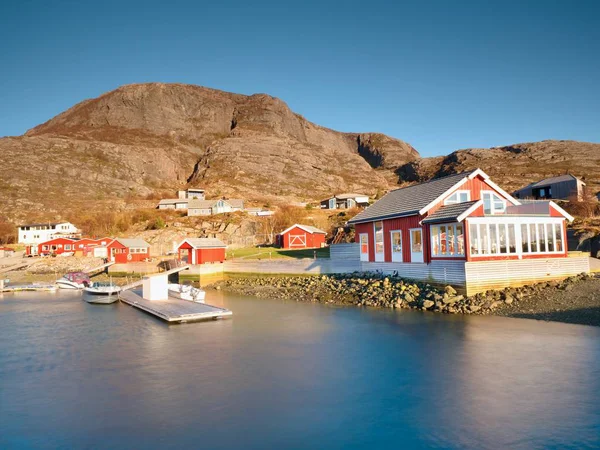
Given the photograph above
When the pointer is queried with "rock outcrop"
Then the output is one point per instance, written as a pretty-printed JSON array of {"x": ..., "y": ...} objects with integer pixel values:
[{"x": 145, "y": 138}]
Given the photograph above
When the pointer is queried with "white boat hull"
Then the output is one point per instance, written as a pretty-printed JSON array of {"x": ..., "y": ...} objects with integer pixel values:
[
  {"x": 65, "y": 284},
  {"x": 187, "y": 292},
  {"x": 102, "y": 290}
]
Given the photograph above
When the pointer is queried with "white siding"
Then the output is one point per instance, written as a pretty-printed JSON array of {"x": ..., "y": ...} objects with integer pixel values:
[{"x": 484, "y": 275}]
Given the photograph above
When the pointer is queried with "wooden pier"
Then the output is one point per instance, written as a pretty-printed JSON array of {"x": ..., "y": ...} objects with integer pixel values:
[
  {"x": 174, "y": 310},
  {"x": 102, "y": 267}
]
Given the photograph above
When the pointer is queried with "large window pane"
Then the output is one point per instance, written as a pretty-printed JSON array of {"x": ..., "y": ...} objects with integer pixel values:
[
  {"x": 378, "y": 237},
  {"x": 396, "y": 242},
  {"x": 450, "y": 240},
  {"x": 550, "y": 237},
  {"x": 541, "y": 237},
  {"x": 474, "y": 239},
  {"x": 364, "y": 244},
  {"x": 502, "y": 238},
  {"x": 443, "y": 246},
  {"x": 559, "y": 237},
  {"x": 512, "y": 243},
  {"x": 460, "y": 240},
  {"x": 533, "y": 240},
  {"x": 493, "y": 239},
  {"x": 525, "y": 238},
  {"x": 487, "y": 203},
  {"x": 484, "y": 239},
  {"x": 435, "y": 241}
]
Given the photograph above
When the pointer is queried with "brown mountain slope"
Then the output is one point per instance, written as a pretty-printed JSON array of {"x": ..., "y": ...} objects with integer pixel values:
[
  {"x": 159, "y": 137},
  {"x": 516, "y": 165}
]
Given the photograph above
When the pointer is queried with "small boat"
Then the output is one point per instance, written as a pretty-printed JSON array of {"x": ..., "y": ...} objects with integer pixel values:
[
  {"x": 186, "y": 292},
  {"x": 102, "y": 289},
  {"x": 100, "y": 299},
  {"x": 74, "y": 280}
]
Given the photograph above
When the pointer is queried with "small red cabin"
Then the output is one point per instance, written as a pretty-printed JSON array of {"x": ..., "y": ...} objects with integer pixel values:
[
  {"x": 201, "y": 251},
  {"x": 57, "y": 246},
  {"x": 123, "y": 251},
  {"x": 301, "y": 236}
]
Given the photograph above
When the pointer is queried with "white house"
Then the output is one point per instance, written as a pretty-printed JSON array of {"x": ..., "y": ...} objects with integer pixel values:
[
  {"x": 345, "y": 201},
  {"x": 173, "y": 203},
  {"x": 36, "y": 233},
  {"x": 211, "y": 207}
]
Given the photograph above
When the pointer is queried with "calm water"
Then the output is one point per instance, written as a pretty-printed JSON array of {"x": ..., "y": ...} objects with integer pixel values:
[{"x": 291, "y": 375}]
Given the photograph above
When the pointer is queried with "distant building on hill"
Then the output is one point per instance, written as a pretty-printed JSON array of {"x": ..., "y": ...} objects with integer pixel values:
[
  {"x": 563, "y": 187},
  {"x": 36, "y": 233},
  {"x": 212, "y": 207},
  {"x": 191, "y": 193},
  {"x": 345, "y": 201}
]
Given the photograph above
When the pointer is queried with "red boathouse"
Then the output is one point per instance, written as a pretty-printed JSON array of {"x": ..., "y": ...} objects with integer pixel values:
[
  {"x": 301, "y": 236},
  {"x": 122, "y": 251},
  {"x": 201, "y": 251}
]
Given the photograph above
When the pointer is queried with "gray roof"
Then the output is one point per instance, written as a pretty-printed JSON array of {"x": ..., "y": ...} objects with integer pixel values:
[
  {"x": 235, "y": 202},
  {"x": 552, "y": 180},
  {"x": 409, "y": 200},
  {"x": 449, "y": 213},
  {"x": 206, "y": 243},
  {"x": 138, "y": 243},
  {"x": 201, "y": 204},
  {"x": 207, "y": 204},
  {"x": 172, "y": 201},
  {"x": 308, "y": 228}
]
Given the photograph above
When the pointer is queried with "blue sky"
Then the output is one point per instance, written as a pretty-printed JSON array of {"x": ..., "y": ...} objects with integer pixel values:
[{"x": 441, "y": 75}]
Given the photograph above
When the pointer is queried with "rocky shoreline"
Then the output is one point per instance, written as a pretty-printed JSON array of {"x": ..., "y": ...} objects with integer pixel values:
[{"x": 539, "y": 301}]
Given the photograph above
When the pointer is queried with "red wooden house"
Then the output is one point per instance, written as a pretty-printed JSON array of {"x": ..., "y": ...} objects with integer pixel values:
[
  {"x": 123, "y": 251},
  {"x": 57, "y": 246},
  {"x": 301, "y": 236},
  {"x": 93, "y": 247},
  {"x": 465, "y": 230},
  {"x": 201, "y": 251}
]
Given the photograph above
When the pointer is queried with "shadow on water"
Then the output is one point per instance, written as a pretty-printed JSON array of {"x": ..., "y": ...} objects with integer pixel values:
[{"x": 581, "y": 316}]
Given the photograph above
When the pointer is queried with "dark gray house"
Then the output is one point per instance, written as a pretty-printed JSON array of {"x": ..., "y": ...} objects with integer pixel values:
[{"x": 562, "y": 187}]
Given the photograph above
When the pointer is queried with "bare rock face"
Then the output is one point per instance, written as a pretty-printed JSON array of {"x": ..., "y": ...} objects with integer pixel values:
[
  {"x": 516, "y": 165},
  {"x": 145, "y": 138}
]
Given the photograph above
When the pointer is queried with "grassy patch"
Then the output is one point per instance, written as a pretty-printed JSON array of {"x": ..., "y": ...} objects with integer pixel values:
[{"x": 276, "y": 253}]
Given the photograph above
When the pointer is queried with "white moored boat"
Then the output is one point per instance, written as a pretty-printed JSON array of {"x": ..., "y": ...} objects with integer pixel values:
[
  {"x": 186, "y": 292},
  {"x": 102, "y": 289},
  {"x": 74, "y": 280}
]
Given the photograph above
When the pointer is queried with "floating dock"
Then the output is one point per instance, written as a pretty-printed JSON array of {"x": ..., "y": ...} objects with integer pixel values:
[
  {"x": 174, "y": 310},
  {"x": 29, "y": 288}
]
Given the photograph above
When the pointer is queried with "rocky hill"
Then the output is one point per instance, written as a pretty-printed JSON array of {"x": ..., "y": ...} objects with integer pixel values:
[
  {"x": 514, "y": 166},
  {"x": 148, "y": 140},
  {"x": 152, "y": 138}
]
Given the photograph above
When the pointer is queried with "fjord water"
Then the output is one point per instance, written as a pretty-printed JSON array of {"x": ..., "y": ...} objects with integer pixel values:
[{"x": 282, "y": 374}]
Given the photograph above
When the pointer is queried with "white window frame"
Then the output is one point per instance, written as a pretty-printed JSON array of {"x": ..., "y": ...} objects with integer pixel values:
[
  {"x": 363, "y": 256},
  {"x": 379, "y": 257},
  {"x": 493, "y": 194},
  {"x": 519, "y": 241},
  {"x": 438, "y": 239},
  {"x": 410, "y": 243},
  {"x": 447, "y": 201},
  {"x": 396, "y": 256}
]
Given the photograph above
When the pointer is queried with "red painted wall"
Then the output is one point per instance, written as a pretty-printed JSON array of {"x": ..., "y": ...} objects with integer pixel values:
[
  {"x": 123, "y": 255},
  {"x": 402, "y": 223},
  {"x": 210, "y": 255},
  {"x": 59, "y": 243},
  {"x": 312, "y": 240}
]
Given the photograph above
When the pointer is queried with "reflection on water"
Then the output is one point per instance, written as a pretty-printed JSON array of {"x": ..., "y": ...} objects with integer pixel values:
[{"x": 291, "y": 375}]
